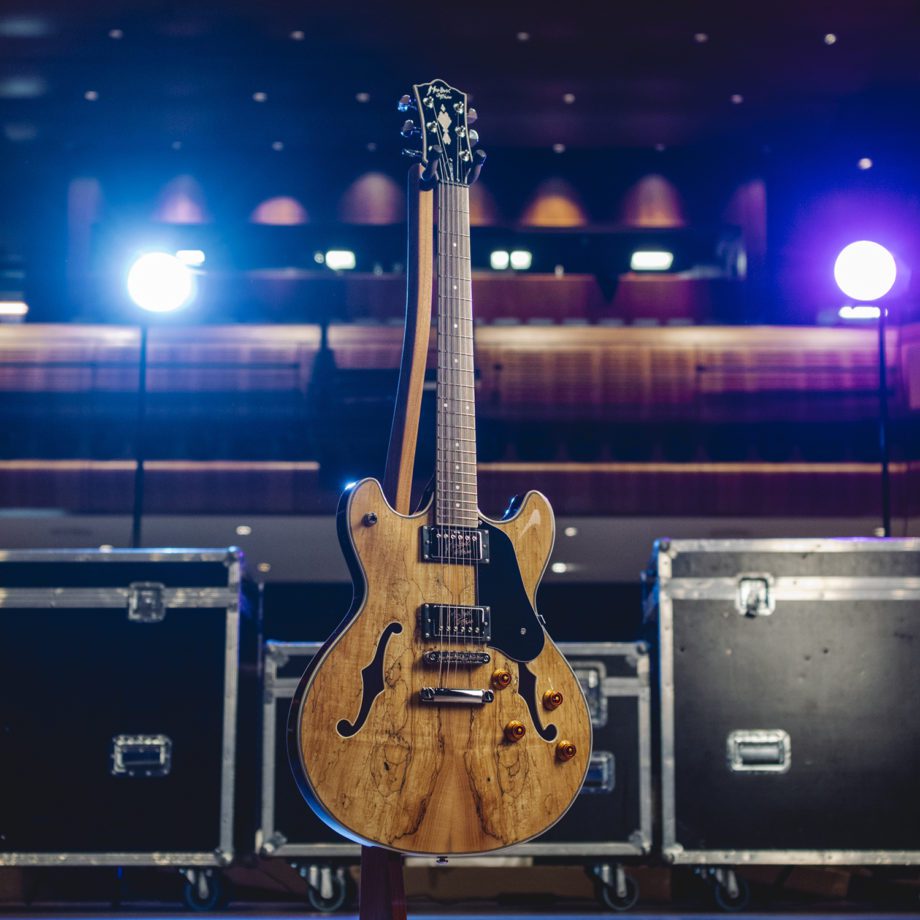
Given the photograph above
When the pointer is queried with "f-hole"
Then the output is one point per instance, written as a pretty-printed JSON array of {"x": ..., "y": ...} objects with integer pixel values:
[
  {"x": 371, "y": 684},
  {"x": 527, "y": 687}
]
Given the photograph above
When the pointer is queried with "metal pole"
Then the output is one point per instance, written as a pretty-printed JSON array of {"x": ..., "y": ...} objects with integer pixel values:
[
  {"x": 883, "y": 423},
  {"x": 137, "y": 516}
]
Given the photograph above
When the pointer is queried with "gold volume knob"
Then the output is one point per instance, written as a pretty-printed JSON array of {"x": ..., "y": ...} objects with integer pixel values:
[
  {"x": 565, "y": 750},
  {"x": 552, "y": 699},
  {"x": 501, "y": 678},
  {"x": 515, "y": 730}
]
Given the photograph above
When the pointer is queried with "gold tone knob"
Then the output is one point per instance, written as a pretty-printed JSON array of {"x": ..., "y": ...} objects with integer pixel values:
[
  {"x": 552, "y": 699},
  {"x": 501, "y": 678},
  {"x": 565, "y": 750},
  {"x": 515, "y": 730}
]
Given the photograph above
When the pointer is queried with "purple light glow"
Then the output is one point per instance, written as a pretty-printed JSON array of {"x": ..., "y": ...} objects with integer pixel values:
[{"x": 865, "y": 270}]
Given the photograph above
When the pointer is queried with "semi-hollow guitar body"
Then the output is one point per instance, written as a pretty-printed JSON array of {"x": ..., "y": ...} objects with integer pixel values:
[{"x": 386, "y": 766}]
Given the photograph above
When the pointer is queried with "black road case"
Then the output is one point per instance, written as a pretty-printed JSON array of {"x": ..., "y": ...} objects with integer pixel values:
[
  {"x": 790, "y": 731},
  {"x": 118, "y": 676},
  {"x": 612, "y": 816}
]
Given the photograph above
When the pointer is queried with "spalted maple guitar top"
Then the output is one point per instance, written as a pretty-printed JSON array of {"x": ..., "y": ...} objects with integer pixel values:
[{"x": 433, "y": 778}]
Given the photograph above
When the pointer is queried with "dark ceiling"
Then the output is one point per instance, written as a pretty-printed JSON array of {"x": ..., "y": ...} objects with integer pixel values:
[{"x": 641, "y": 74}]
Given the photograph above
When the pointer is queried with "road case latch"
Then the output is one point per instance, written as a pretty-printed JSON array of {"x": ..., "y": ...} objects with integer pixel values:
[
  {"x": 146, "y": 601},
  {"x": 141, "y": 755},
  {"x": 759, "y": 751},
  {"x": 755, "y": 596}
]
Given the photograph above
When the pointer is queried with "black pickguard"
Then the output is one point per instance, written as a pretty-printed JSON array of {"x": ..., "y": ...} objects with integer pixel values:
[
  {"x": 516, "y": 629},
  {"x": 527, "y": 688},
  {"x": 372, "y": 684}
]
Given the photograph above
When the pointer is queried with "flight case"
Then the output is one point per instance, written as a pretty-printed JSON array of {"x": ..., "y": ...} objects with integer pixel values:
[
  {"x": 118, "y": 679},
  {"x": 612, "y": 817},
  {"x": 790, "y": 732}
]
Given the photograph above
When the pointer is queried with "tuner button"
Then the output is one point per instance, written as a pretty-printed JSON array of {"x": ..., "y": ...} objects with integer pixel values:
[
  {"x": 458, "y": 108},
  {"x": 515, "y": 730},
  {"x": 501, "y": 678},
  {"x": 552, "y": 699},
  {"x": 406, "y": 103},
  {"x": 474, "y": 137},
  {"x": 471, "y": 116},
  {"x": 432, "y": 126},
  {"x": 565, "y": 750},
  {"x": 408, "y": 128}
]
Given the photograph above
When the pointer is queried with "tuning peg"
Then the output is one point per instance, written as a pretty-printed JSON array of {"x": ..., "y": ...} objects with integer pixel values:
[
  {"x": 409, "y": 129},
  {"x": 431, "y": 174},
  {"x": 474, "y": 138},
  {"x": 471, "y": 116},
  {"x": 412, "y": 154},
  {"x": 479, "y": 157},
  {"x": 406, "y": 102}
]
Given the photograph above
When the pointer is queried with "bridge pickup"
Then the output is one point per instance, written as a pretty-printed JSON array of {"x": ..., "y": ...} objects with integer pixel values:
[
  {"x": 454, "y": 697},
  {"x": 434, "y": 659},
  {"x": 460, "y": 545},
  {"x": 446, "y": 621}
]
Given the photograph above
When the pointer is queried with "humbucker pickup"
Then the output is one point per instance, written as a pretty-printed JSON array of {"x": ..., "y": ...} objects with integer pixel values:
[
  {"x": 460, "y": 545},
  {"x": 446, "y": 621},
  {"x": 435, "y": 659}
]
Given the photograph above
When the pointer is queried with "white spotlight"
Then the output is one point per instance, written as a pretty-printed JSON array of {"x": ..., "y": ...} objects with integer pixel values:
[
  {"x": 646, "y": 260},
  {"x": 340, "y": 259},
  {"x": 521, "y": 259},
  {"x": 160, "y": 283},
  {"x": 500, "y": 260}
]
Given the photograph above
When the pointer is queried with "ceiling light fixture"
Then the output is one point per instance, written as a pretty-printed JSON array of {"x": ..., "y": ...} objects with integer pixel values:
[
  {"x": 91, "y": 95},
  {"x": 363, "y": 97},
  {"x": 830, "y": 39},
  {"x": 568, "y": 98},
  {"x": 277, "y": 146},
  {"x": 701, "y": 37},
  {"x": 558, "y": 148},
  {"x": 864, "y": 163},
  {"x": 523, "y": 36},
  {"x": 116, "y": 34},
  {"x": 259, "y": 97},
  {"x": 297, "y": 35},
  {"x": 737, "y": 99}
]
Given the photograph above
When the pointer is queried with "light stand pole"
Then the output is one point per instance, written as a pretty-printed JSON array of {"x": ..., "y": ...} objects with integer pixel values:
[
  {"x": 883, "y": 423},
  {"x": 140, "y": 445}
]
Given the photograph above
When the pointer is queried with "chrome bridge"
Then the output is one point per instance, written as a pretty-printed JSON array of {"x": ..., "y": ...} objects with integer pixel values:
[
  {"x": 435, "y": 659},
  {"x": 455, "y": 697}
]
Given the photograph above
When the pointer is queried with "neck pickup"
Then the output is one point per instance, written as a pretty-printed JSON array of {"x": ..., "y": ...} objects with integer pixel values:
[{"x": 461, "y": 545}]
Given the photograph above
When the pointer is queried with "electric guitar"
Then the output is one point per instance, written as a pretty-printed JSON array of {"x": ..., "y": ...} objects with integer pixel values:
[{"x": 440, "y": 718}]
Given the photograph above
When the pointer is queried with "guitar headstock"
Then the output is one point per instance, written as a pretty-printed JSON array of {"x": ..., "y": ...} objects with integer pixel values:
[{"x": 443, "y": 128}]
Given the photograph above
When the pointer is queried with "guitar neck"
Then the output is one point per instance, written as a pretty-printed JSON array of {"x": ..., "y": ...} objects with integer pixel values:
[{"x": 456, "y": 502}]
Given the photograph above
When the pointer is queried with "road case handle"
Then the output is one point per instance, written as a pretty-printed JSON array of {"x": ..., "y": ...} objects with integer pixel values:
[
  {"x": 759, "y": 751},
  {"x": 141, "y": 755},
  {"x": 755, "y": 596}
]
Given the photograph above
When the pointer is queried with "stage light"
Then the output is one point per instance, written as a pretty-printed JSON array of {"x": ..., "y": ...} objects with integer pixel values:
[
  {"x": 340, "y": 259},
  {"x": 865, "y": 270},
  {"x": 651, "y": 260},
  {"x": 499, "y": 260},
  {"x": 191, "y": 257},
  {"x": 521, "y": 260},
  {"x": 160, "y": 283},
  {"x": 859, "y": 311},
  {"x": 13, "y": 309},
  {"x": 559, "y": 568}
]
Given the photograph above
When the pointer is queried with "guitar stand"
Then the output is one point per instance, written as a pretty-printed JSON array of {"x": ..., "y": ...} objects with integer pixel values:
[{"x": 382, "y": 894}]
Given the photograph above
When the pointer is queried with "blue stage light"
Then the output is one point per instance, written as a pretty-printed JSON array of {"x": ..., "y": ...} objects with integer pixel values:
[
  {"x": 865, "y": 270},
  {"x": 161, "y": 283}
]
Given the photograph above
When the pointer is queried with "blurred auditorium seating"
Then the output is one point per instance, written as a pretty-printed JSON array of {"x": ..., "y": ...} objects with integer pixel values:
[{"x": 606, "y": 419}]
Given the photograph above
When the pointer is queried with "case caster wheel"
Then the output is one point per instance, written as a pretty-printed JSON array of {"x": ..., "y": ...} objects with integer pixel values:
[
  {"x": 624, "y": 899},
  {"x": 616, "y": 889},
  {"x": 203, "y": 889},
  {"x": 731, "y": 894},
  {"x": 327, "y": 888}
]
